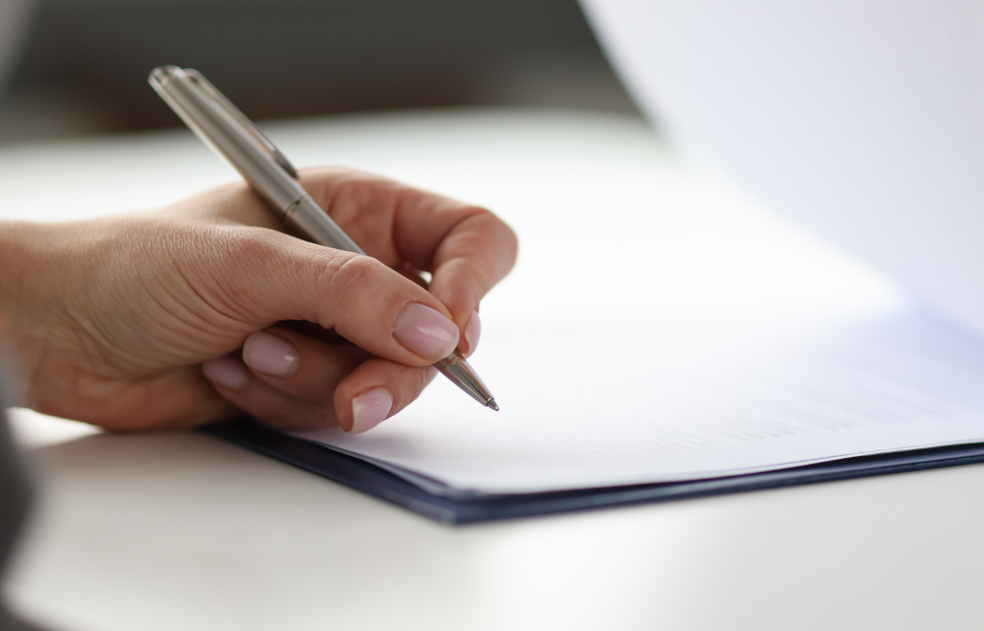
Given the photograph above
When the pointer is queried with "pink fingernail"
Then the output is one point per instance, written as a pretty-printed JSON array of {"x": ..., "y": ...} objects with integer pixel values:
[
  {"x": 473, "y": 332},
  {"x": 226, "y": 371},
  {"x": 270, "y": 354},
  {"x": 369, "y": 409},
  {"x": 425, "y": 331}
]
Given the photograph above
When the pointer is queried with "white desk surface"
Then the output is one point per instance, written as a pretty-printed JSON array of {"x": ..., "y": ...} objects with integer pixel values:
[{"x": 182, "y": 531}]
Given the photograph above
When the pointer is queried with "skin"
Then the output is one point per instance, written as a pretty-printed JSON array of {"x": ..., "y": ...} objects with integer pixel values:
[{"x": 111, "y": 319}]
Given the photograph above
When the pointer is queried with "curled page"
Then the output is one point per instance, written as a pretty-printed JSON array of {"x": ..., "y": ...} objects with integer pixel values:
[{"x": 861, "y": 119}]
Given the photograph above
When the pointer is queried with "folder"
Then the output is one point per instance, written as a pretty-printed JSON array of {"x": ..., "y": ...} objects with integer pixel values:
[{"x": 368, "y": 478}]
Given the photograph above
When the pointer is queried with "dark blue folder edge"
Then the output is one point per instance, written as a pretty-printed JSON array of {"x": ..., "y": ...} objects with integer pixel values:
[{"x": 370, "y": 479}]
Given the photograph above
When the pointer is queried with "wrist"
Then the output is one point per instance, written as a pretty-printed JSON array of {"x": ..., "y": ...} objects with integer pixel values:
[
  {"x": 22, "y": 263},
  {"x": 13, "y": 243}
]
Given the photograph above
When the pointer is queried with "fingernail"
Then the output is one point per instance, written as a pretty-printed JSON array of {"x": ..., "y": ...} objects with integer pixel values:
[
  {"x": 425, "y": 331},
  {"x": 270, "y": 354},
  {"x": 473, "y": 332},
  {"x": 226, "y": 371},
  {"x": 369, "y": 409}
]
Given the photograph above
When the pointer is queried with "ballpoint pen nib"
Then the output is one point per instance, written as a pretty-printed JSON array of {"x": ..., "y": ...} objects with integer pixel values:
[{"x": 492, "y": 404}]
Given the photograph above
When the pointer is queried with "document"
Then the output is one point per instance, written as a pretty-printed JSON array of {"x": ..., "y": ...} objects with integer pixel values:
[
  {"x": 615, "y": 402},
  {"x": 659, "y": 327}
]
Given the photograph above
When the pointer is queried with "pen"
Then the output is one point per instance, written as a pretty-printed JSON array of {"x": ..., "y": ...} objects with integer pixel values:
[{"x": 234, "y": 137}]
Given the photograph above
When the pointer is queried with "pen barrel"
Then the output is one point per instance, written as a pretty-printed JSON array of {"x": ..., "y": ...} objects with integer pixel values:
[
  {"x": 219, "y": 130},
  {"x": 310, "y": 220}
]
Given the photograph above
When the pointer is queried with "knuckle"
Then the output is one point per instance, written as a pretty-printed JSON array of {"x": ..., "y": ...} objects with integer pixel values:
[
  {"x": 470, "y": 277},
  {"x": 477, "y": 274},
  {"x": 349, "y": 196},
  {"x": 351, "y": 275}
]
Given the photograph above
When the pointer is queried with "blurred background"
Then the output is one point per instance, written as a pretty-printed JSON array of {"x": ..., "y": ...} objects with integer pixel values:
[{"x": 83, "y": 65}]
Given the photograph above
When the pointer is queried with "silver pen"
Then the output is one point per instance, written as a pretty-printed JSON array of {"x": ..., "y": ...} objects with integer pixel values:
[{"x": 234, "y": 137}]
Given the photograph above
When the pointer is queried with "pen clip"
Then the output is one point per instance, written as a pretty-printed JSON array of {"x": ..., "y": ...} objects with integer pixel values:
[{"x": 219, "y": 99}]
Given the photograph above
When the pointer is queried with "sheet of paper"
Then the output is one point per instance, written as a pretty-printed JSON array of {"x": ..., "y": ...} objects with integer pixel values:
[
  {"x": 860, "y": 119},
  {"x": 613, "y": 402},
  {"x": 658, "y": 326}
]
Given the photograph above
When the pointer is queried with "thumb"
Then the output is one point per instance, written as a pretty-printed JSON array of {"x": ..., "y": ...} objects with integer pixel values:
[{"x": 271, "y": 276}]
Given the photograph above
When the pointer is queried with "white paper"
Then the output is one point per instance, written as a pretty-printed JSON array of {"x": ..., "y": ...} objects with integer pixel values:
[
  {"x": 861, "y": 119},
  {"x": 615, "y": 402},
  {"x": 659, "y": 327}
]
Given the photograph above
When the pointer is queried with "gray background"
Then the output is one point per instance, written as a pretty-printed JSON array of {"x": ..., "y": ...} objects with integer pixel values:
[{"x": 84, "y": 64}]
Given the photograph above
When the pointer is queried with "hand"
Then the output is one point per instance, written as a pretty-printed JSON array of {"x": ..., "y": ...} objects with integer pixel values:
[{"x": 179, "y": 317}]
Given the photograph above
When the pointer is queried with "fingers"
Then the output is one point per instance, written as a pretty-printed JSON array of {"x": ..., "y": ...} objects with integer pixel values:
[
  {"x": 377, "y": 390},
  {"x": 475, "y": 255},
  {"x": 292, "y": 381},
  {"x": 234, "y": 381},
  {"x": 468, "y": 249}
]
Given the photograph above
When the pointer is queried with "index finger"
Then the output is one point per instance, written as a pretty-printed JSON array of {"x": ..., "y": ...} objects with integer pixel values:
[{"x": 466, "y": 248}]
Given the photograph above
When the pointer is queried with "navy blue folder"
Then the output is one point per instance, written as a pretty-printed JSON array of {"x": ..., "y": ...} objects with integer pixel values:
[{"x": 373, "y": 480}]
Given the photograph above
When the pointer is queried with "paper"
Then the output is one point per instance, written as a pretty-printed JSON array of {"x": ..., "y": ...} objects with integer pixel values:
[
  {"x": 659, "y": 327},
  {"x": 861, "y": 119},
  {"x": 613, "y": 402}
]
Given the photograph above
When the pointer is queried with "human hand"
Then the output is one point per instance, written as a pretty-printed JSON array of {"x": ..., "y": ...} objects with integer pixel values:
[{"x": 113, "y": 319}]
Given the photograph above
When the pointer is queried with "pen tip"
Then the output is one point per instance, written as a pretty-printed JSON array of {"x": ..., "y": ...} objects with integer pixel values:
[{"x": 492, "y": 404}]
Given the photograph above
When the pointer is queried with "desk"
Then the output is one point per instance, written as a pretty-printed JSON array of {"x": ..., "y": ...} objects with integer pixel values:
[{"x": 181, "y": 531}]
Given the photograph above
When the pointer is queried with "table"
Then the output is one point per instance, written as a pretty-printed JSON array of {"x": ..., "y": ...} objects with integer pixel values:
[{"x": 182, "y": 531}]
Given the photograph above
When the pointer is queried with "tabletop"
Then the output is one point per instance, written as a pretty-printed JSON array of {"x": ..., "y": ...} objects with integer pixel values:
[{"x": 182, "y": 531}]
